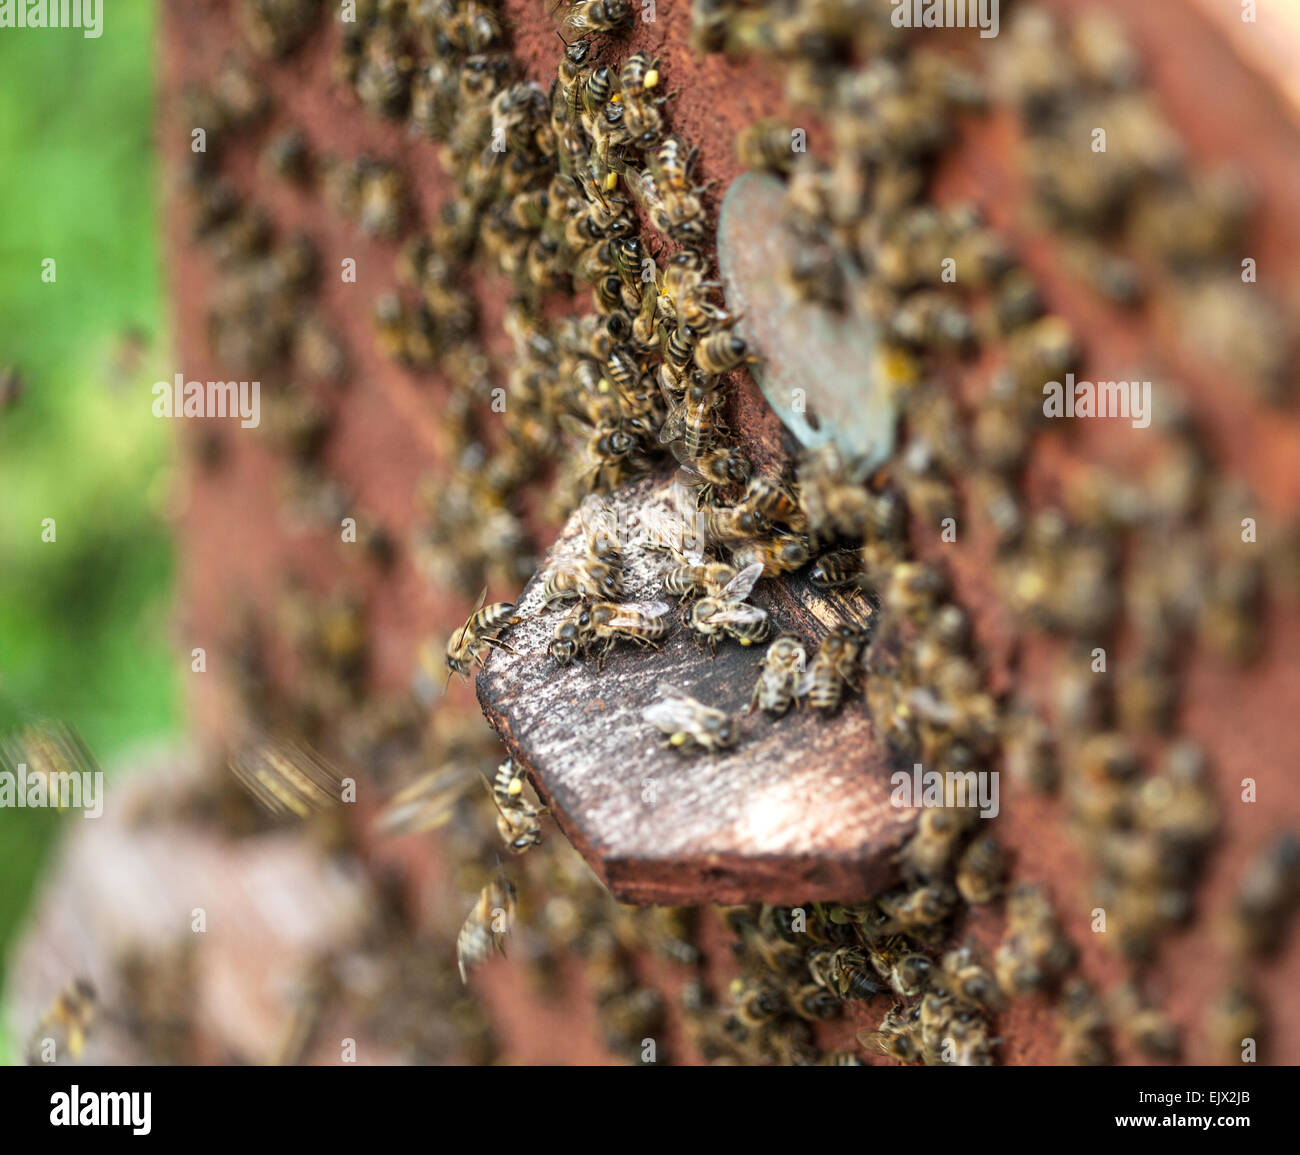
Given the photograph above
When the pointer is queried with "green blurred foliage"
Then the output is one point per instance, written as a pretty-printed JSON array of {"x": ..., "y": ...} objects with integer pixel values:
[{"x": 82, "y": 620}]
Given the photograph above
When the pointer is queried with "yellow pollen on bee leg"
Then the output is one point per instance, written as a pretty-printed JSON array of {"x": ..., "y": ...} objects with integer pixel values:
[{"x": 651, "y": 78}]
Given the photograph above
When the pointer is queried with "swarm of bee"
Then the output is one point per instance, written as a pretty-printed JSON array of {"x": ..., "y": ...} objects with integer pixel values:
[{"x": 583, "y": 184}]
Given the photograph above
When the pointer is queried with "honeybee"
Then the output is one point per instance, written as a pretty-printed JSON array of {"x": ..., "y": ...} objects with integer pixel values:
[
  {"x": 1269, "y": 892},
  {"x": 287, "y": 156},
  {"x": 1232, "y": 1018},
  {"x": 721, "y": 352},
  {"x": 428, "y": 803},
  {"x": 845, "y": 971},
  {"x": 587, "y": 16},
  {"x": 471, "y": 642},
  {"x": 777, "y": 688},
  {"x": 813, "y": 1002},
  {"x": 1034, "y": 953},
  {"x": 487, "y": 925},
  {"x": 774, "y": 500},
  {"x": 727, "y": 613},
  {"x": 691, "y": 419},
  {"x": 687, "y": 723},
  {"x": 894, "y": 1040},
  {"x": 766, "y": 145},
  {"x": 834, "y": 666},
  {"x": 1148, "y": 1028},
  {"x": 611, "y": 451},
  {"x": 585, "y": 578},
  {"x": 287, "y": 777},
  {"x": 518, "y": 819},
  {"x": 67, "y": 1019},
  {"x": 730, "y": 526},
  {"x": 833, "y": 497},
  {"x": 723, "y": 467},
  {"x": 929, "y": 853},
  {"x": 646, "y": 625},
  {"x": 980, "y": 870},
  {"x": 969, "y": 981},
  {"x": 783, "y": 553},
  {"x": 689, "y": 577},
  {"x": 573, "y": 633},
  {"x": 918, "y": 912},
  {"x": 841, "y": 568},
  {"x": 639, "y": 75},
  {"x": 1083, "y": 1025}
]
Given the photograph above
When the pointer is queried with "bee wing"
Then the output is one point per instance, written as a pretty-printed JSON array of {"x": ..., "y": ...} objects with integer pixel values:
[
  {"x": 629, "y": 621},
  {"x": 478, "y": 605},
  {"x": 877, "y": 1042},
  {"x": 674, "y": 427},
  {"x": 575, "y": 426},
  {"x": 738, "y": 588},
  {"x": 641, "y": 183},
  {"x": 738, "y": 615},
  {"x": 672, "y": 714}
]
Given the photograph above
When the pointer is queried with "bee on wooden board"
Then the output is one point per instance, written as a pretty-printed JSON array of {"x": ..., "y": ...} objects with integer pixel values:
[
  {"x": 781, "y": 678},
  {"x": 727, "y": 612},
  {"x": 689, "y": 724}
]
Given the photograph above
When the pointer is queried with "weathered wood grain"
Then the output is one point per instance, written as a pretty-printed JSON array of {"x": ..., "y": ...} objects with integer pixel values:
[{"x": 798, "y": 810}]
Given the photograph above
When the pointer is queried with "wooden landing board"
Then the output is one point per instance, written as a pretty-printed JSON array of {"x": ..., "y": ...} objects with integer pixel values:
[{"x": 799, "y": 810}]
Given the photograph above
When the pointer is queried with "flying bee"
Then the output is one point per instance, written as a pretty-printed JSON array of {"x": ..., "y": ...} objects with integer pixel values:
[
  {"x": 782, "y": 553},
  {"x": 721, "y": 352},
  {"x": 767, "y": 146},
  {"x": 833, "y": 667},
  {"x": 727, "y": 612},
  {"x": 646, "y": 625},
  {"x": 573, "y": 633},
  {"x": 981, "y": 870},
  {"x": 777, "y": 688},
  {"x": 487, "y": 925},
  {"x": 688, "y": 577},
  {"x": 841, "y": 568},
  {"x": 471, "y": 642},
  {"x": 427, "y": 803},
  {"x": 68, "y": 1019},
  {"x": 686, "y": 723},
  {"x": 518, "y": 819},
  {"x": 286, "y": 777}
]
